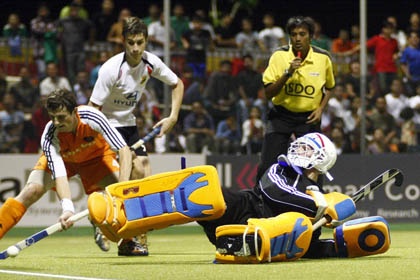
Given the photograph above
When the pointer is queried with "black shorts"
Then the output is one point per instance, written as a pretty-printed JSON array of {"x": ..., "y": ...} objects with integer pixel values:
[{"x": 131, "y": 136}]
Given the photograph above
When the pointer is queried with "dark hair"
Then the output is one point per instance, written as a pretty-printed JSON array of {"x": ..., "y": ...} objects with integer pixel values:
[
  {"x": 301, "y": 21},
  {"x": 134, "y": 25},
  {"x": 59, "y": 99}
]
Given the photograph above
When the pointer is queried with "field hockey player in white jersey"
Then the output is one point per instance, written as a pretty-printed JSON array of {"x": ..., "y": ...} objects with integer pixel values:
[{"x": 117, "y": 91}]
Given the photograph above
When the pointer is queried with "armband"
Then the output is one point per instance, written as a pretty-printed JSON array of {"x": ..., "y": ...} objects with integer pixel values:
[{"x": 67, "y": 205}]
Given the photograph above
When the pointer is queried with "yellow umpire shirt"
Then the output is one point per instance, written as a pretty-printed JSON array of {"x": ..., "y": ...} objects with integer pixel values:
[{"x": 303, "y": 91}]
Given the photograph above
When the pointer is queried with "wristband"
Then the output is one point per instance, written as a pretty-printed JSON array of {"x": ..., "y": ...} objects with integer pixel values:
[{"x": 67, "y": 205}]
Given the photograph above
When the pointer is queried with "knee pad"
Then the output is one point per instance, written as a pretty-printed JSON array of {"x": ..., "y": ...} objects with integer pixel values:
[
  {"x": 362, "y": 237},
  {"x": 162, "y": 200},
  {"x": 285, "y": 237}
]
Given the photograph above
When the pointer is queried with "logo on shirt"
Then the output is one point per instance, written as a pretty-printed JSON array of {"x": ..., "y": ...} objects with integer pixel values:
[
  {"x": 130, "y": 99},
  {"x": 299, "y": 90}
]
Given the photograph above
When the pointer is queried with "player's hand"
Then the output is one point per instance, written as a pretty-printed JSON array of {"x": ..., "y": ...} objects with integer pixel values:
[
  {"x": 64, "y": 220},
  {"x": 315, "y": 116}
]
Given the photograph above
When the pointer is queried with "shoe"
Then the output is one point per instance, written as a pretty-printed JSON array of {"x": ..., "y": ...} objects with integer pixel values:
[
  {"x": 100, "y": 239},
  {"x": 133, "y": 247}
]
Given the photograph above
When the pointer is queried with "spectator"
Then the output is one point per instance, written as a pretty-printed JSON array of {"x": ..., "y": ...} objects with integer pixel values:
[
  {"x": 410, "y": 63},
  {"x": 221, "y": 92},
  {"x": 413, "y": 23},
  {"x": 396, "y": 100},
  {"x": 247, "y": 39},
  {"x": 398, "y": 34},
  {"x": 272, "y": 36},
  {"x": 206, "y": 25},
  {"x": 199, "y": 130},
  {"x": 228, "y": 136},
  {"x": 81, "y": 88},
  {"x": 225, "y": 33},
  {"x": 249, "y": 82},
  {"x": 44, "y": 36},
  {"x": 341, "y": 142},
  {"x": 115, "y": 36},
  {"x": 15, "y": 32},
  {"x": 379, "y": 144},
  {"x": 252, "y": 132},
  {"x": 414, "y": 103},
  {"x": 386, "y": 50},
  {"x": 380, "y": 118},
  {"x": 197, "y": 41},
  {"x": 351, "y": 80},
  {"x": 39, "y": 119},
  {"x": 355, "y": 34},
  {"x": 179, "y": 23},
  {"x": 12, "y": 120},
  {"x": 66, "y": 10},
  {"x": 319, "y": 39},
  {"x": 342, "y": 43},
  {"x": 154, "y": 13},
  {"x": 408, "y": 130},
  {"x": 93, "y": 75},
  {"x": 74, "y": 32},
  {"x": 53, "y": 81},
  {"x": 157, "y": 36},
  {"x": 25, "y": 92},
  {"x": 103, "y": 20}
]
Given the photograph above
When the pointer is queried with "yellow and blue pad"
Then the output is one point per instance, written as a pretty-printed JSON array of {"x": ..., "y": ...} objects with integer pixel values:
[
  {"x": 362, "y": 237},
  {"x": 165, "y": 199},
  {"x": 285, "y": 237}
]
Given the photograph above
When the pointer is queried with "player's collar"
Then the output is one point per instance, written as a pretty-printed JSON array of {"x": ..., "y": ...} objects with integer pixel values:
[{"x": 283, "y": 161}]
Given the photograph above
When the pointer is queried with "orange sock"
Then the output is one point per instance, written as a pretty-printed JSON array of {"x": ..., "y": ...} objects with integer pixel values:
[{"x": 10, "y": 214}]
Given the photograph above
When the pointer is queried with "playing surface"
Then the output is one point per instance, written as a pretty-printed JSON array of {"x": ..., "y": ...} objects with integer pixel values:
[{"x": 183, "y": 252}]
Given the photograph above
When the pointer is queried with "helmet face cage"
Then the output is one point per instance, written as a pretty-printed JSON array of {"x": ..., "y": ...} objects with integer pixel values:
[{"x": 312, "y": 150}]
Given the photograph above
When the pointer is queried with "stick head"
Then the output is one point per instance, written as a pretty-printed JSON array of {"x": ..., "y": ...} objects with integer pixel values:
[{"x": 399, "y": 178}]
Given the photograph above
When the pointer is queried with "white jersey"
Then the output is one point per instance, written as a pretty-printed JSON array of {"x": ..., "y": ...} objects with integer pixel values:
[{"x": 120, "y": 86}]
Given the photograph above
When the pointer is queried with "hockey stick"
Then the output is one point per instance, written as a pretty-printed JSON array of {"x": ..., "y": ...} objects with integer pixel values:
[
  {"x": 363, "y": 192},
  {"x": 145, "y": 139},
  {"x": 41, "y": 235}
]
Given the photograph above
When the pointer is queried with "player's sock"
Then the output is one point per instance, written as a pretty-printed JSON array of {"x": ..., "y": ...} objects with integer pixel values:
[{"x": 10, "y": 214}]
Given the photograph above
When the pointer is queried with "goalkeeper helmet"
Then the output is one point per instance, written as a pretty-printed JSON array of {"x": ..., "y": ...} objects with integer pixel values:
[{"x": 313, "y": 150}]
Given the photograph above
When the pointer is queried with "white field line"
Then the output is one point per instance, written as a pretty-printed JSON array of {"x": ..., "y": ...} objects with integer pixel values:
[{"x": 49, "y": 275}]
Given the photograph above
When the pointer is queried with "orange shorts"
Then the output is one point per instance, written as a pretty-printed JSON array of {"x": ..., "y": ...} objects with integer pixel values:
[{"x": 91, "y": 172}]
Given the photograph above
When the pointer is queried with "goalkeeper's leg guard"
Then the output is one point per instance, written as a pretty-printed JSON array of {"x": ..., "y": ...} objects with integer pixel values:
[
  {"x": 362, "y": 237},
  {"x": 131, "y": 208},
  {"x": 282, "y": 238}
]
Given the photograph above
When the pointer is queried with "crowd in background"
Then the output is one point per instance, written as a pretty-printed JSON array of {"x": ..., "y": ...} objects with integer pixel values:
[{"x": 224, "y": 105}]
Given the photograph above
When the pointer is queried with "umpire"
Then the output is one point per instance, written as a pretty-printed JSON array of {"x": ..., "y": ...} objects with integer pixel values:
[{"x": 297, "y": 80}]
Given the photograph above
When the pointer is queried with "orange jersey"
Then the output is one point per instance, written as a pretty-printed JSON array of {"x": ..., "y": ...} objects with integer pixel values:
[{"x": 94, "y": 138}]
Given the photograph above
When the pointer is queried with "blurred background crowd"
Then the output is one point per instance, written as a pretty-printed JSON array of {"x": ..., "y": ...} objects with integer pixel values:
[{"x": 220, "y": 57}]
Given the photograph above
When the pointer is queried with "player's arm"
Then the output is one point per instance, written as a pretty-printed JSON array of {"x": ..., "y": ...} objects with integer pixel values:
[
  {"x": 273, "y": 88},
  {"x": 125, "y": 160},
  {"x": 169, "y": 122},
  {"x": 51, "y": 148},
  {"x": 64, "y": 194}
]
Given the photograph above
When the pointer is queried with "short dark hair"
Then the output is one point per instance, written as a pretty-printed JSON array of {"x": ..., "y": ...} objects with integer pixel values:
[
  {"x": 134, "y": 25},
  {"x": 59, "y": 99},
  {"x": 301, "y": 21}
]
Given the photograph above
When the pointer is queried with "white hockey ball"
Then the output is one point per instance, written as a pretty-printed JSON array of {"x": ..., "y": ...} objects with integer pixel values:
[{"x": 13, "y": 251}]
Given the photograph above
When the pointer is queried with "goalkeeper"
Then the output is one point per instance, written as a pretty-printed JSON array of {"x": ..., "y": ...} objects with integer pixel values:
[{"x": 290, "y": 186}]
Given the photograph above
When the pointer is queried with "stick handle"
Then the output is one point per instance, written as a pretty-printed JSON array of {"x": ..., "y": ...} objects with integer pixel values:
[
  {"x": 44, "y": 233},
  {"x": 146, "y": 138}
]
